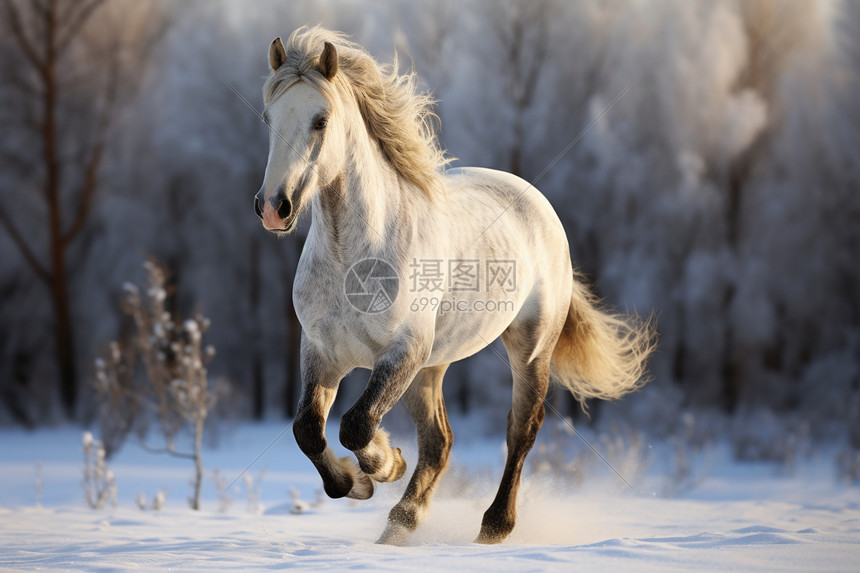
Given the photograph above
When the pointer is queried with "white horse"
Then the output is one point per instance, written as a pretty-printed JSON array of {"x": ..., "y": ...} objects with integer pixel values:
[{"x": 408, "y": 268}]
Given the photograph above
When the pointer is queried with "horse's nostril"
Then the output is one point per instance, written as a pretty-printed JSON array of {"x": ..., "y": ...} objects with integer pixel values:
[
  {"x": 284, "y": 208},
  {"x": 257, "y": 208}
]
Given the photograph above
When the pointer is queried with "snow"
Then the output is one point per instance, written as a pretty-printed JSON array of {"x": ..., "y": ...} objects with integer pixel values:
[{"x": 750, "y": 517}]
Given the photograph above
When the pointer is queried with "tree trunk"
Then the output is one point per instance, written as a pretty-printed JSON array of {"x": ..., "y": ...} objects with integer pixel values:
[
  {"x": 64, "y": 335},
  {"x": 740, "y": 173},
  {"x": 198, "y": 462}
]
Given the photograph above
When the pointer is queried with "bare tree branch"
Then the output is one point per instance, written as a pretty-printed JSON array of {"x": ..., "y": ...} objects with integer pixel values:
[
  {"x": 43, "y": 7},
  {"x": 90, "y": 182},
  {"x": 16, "y": 26},
  {"x": 168, "y": 450},
  {"x": 88, "y": 190},
  {"x": 21, "y": 82},
  {"x": 16, "y": 162},
  {"x": 19, "y": 241},
  {"x": 77, "y": 20}
]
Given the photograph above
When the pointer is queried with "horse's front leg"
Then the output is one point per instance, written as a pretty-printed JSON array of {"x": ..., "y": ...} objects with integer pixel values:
[
  {"x": 359, "y": 428},
  {"x": 320, "y": 381}
]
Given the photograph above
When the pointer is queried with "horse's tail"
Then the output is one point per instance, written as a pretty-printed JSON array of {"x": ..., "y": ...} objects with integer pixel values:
[{"x": 600, "y": 355}]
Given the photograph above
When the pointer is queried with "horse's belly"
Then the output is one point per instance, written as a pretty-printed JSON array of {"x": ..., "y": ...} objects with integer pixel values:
[{"x": 460, "y": 334}]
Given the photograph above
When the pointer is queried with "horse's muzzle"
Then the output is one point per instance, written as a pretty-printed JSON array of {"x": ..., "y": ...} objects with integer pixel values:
[{"x": 276, "y": 213}]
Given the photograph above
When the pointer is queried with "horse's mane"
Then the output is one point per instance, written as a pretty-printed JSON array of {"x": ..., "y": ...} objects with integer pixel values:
[{"x": 395, "y": 112}]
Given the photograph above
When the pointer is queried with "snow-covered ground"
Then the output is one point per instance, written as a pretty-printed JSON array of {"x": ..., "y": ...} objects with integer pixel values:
[{"x": 750, "y": 517}]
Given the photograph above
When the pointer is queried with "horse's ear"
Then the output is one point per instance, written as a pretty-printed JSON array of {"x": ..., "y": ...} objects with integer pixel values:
[
  {"x": 277, "y": 54},
  {"x": 327, "y": 65}
]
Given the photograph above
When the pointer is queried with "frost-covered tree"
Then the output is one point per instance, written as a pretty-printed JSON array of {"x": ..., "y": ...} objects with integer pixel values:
[
  {"x": 509, "y": 53},
  {"x": 663, "y": 195},
  {"x": 70, "y": 67},
  {"x": 426, "y": 33},
  {"x": 99, "y": 481},
  {"x": 203, "y": 164},
  {"x": 719, "y": 189},
  {"x": 177, "y": 388}
]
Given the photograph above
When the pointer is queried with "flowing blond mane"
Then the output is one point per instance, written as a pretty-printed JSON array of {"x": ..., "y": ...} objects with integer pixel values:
[{"x": 396, "y": 113}]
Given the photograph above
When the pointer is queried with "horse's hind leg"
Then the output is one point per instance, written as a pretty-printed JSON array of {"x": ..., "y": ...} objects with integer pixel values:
[
  {"x": 531, "y": 381},
  {"x": 320, "y": 381},
  {"x": 426, "y": 405}
]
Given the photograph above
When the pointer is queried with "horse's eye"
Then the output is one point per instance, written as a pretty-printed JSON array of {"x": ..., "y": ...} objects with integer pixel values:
[{"x": 320, "y": 124}]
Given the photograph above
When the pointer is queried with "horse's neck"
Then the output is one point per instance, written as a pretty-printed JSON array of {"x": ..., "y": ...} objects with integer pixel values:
[{"x": 354, "y": 215}]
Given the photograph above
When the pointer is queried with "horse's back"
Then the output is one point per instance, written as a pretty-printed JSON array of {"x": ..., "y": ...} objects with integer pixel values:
[
  {"x": 500, "y": 203},
  {"x": 511, "y": 192},
  {"x": 496, "y": 218}
]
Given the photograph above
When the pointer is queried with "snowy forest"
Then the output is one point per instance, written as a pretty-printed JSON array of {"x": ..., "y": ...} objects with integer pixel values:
[{"x": 707, "y": 172}]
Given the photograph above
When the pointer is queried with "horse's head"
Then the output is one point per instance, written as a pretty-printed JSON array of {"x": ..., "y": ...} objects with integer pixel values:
[{"x": 305, "y": 141}]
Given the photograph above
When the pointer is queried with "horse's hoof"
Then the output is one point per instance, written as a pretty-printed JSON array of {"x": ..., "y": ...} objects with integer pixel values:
[
  {"x": 394, "y": 534},
  {"x": 399, "y": 465},
  {"x": 362, "y": 486},
  {"x": 395, "y": 470},
  {"x": 492, "y": 534},
  {"x": 489, "y": 538},
  {"x": 380, "y": 461}
]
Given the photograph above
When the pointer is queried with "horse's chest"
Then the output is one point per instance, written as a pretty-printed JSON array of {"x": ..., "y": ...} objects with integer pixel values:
[
  {"x": 326, "y": 315},
  {"x": 317, "y": 295}
]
